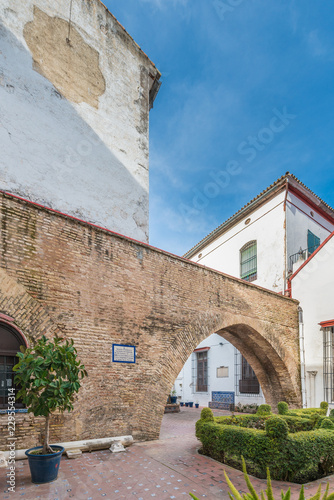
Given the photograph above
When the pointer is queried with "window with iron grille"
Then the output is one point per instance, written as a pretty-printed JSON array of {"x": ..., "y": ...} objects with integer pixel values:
[
  {"x": 248, "y": 261},
  {"x": 328, "y": 336},
  {"x": 202, "y": 371},
  {"x": 246, "y": 382},
  {"x": 10, "y": 342}
]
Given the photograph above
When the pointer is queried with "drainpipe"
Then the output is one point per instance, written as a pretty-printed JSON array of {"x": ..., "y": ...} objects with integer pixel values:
[
  {"x": 312, "y": 375},
  {"x": 302, "y": 356},
  {"x": 285, "y": 235}
]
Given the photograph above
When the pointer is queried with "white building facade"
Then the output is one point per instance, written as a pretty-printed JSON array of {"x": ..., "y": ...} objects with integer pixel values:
[
  {"x": 75, "y": 95},
  {"x": 312, "y": 285},
  {"x": 265, "y": 242}
]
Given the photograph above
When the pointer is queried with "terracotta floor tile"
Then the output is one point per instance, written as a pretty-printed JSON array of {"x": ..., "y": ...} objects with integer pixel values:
[{"x": 165, "y": 469}]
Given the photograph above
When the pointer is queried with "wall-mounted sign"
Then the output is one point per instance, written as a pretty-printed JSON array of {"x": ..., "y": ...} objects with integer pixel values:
[{"x": 123, "y": 353}]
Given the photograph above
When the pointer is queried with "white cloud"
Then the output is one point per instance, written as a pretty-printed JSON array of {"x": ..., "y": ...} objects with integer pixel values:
[
  {"x": 161, "y": 4},
  {"x": 317, "y": 47}
]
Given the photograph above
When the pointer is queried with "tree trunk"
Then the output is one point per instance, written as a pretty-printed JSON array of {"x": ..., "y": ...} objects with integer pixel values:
[{"x": 46, "y": 447}]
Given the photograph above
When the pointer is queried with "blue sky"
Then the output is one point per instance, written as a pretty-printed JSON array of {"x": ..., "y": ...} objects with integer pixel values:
[{"x": 247, "y": 94}]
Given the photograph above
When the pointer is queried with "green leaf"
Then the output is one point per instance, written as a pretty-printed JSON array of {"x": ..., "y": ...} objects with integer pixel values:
[
  {"x": 248, "y": 482},
  {"x": 235, "y": 492},
  {"x": 317, "y": 495},
  {"x": 287, "y": 495},
  {"x": 301, "y": 494}
]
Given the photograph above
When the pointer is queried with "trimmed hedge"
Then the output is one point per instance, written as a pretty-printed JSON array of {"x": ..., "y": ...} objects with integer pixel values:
[
  {"x": 283, "y": 408},
  {"x": 295, "y": 424},
  {"x": 264, "y": 410},
  {"x": 277, "y": 428},
  {"x": 299, "y": 457}
]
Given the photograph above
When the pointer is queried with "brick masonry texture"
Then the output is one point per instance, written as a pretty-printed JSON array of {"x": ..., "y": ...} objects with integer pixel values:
[{"x": 62, "y": 275}]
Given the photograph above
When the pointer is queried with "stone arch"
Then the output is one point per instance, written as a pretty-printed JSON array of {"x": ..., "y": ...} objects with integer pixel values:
[{"x": 276, "y": 368}]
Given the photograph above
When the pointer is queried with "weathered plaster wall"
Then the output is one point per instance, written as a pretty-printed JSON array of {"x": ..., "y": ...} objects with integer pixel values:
[
  {"x": 58, "y": 274},
  {"x": 74, "y": 117}
]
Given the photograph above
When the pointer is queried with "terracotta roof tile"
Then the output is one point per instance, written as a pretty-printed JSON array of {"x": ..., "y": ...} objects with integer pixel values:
[{"x": 216, "y": 232}]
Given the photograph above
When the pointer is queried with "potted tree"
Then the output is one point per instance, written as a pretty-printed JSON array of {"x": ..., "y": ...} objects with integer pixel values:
[
  {"x": 48, "y": 375},
  {"x": 173, "y": 397}
]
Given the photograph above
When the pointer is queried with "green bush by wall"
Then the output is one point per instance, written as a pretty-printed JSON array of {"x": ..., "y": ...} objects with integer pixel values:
[
  {"x": 283, "y": 408},
  {"x": 264, "y": 410},
  {"x": 299, "y": 457}
]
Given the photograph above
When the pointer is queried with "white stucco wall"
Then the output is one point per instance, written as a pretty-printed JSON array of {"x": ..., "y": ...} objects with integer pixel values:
[
  {"x": 299, "y": 220},
  {"x": 221, "y": 353},
  {"x": 313, "y": 287},
  {"x": 85, "y": 160},
  {"x": 267, "y": 228}
]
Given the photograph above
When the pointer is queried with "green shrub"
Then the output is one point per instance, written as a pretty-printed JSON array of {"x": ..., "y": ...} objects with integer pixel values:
[
  {"x": 327, "y": 424},
  {"x": 331, "y": 413},
  {"x": 324, "y": 405},
  {"x": 307, "y": 411},
  {"x": 250, "y": 421},
  {"x": 298, "y": 424},
  {"x": 277, "y": 428},
  {"x": 300, "y": 457},
  {"x": 206, "y": 414},
  {"x": 264, "y": 410},
  {"x": 283, "y": 408},
  {"x": 295, "y": 424}
]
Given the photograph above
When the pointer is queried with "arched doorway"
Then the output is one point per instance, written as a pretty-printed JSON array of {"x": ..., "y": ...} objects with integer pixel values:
[{"x": 10, "y": 342}]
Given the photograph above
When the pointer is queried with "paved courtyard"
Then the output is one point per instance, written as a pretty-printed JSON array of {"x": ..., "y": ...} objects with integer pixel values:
[{"x": 169, "y": 468}]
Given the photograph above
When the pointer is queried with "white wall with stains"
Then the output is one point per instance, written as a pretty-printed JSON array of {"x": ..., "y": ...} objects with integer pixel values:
[{"x": 84, "y": 153}]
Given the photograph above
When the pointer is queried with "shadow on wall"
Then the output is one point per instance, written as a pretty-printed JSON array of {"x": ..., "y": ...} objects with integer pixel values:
[
  {"x": 50, "y": 155},
  {"x": 268, "y": 365}
]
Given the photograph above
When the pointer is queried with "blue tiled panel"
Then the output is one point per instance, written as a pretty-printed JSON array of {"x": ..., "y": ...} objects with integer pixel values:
[
  {"x": 221, "y": 406},
  {"x": 20, "y": 410},
  {"x": 222, "y": 397}
]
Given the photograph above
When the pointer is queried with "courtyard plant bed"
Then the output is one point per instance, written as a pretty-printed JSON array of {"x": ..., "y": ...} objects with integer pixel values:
[
  {"x": 48, "y": 374},
  {"x": 297, "y": 449}
]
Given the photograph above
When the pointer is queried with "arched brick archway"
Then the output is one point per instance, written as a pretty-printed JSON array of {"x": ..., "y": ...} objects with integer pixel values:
[
  {"x": 272, "y": 354},
  {"x": 99, "y": 288}
]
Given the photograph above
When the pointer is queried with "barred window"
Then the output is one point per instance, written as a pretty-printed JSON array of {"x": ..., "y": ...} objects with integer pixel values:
[
  {"x": 10, "y": 342},
  {"x": 328, "y": 336},
  {"x": 248, "y": 261},
  {"x": 202, "y": 371}
]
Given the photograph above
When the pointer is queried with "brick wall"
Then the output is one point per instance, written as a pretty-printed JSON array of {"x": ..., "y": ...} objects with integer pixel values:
[{"x": 59, "y": 274}]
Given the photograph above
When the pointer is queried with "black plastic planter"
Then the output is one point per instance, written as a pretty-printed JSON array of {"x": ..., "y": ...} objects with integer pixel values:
[{"x": 44, "y": 468}]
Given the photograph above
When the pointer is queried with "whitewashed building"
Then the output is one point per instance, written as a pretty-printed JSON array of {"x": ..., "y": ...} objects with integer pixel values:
[
  {"x": 75, "y": 95},
  {"x": 265, "y": 243},
  {"x": 312, "y": 285}
]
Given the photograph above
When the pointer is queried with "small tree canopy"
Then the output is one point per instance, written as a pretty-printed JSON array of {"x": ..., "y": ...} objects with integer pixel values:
[{"x": 49, "y": 375}]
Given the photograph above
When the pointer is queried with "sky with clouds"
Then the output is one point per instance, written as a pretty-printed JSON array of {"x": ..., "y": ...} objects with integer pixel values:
[{"x": 247, "y": 94}]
